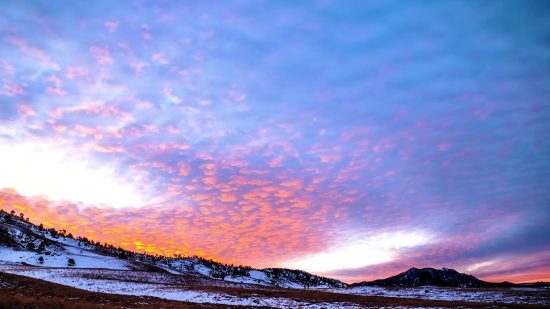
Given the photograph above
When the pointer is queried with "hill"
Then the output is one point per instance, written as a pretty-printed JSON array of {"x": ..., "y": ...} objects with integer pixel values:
[
  {"x": 24, "y": 243},
  {"x": 430, "y": 277}
]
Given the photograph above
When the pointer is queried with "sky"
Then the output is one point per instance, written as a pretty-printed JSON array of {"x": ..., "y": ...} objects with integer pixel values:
[{"x": 351, "y": 139}]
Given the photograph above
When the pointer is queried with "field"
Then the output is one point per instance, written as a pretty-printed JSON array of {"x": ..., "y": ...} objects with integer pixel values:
[{"x": 93, "y": 288}]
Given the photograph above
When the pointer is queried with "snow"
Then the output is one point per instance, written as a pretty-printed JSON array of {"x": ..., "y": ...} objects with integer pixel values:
[
  {"x": 444, "y": 293},
  {"x": 59, "y": 258},
  {"x": 115, "y": 282},
  {"x": 170, "y": 270}
]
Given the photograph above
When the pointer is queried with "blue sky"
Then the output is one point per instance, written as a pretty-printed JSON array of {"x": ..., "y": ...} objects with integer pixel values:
[{"x": 285, "y": 133}]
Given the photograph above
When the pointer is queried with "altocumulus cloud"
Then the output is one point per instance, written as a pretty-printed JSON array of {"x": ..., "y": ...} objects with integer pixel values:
[{"x": 352, "y": 139}]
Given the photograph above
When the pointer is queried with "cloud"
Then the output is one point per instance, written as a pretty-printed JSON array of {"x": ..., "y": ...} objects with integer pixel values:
[
  {"x": 112, "y": 25},
  {"x": 261, "y": 152}
]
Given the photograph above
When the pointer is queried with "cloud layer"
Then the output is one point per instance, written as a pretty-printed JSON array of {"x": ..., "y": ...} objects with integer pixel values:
[{"x": 271, "y": 134}]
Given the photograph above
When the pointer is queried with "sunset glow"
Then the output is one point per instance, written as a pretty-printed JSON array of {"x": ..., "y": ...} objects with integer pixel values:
[
  {"x": 350, "y": 139},
  {"x": 41, "y": 169}
]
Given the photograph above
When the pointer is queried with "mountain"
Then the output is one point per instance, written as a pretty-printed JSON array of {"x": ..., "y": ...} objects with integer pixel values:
[
  {"x": 428, "y": 276},
  {"x": 24, "y": 243}
]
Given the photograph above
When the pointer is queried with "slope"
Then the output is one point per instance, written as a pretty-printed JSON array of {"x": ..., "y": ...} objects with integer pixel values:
[{"x": 23, "y": 243}]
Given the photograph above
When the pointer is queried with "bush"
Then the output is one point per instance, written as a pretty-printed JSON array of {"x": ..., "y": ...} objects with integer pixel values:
[{"x": 71, "y": 262}]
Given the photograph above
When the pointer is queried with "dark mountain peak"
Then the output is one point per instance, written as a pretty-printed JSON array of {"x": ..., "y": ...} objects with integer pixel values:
[{"x": 428, "y": 277}]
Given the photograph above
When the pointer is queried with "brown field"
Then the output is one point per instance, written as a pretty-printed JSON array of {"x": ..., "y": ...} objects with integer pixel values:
[{"x": 28, "y": 293}]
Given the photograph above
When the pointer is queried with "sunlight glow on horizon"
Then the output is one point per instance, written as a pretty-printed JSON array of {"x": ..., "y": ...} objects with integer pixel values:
[
  {"x": 35, "y": 169},
  {"x": 372, "y": 250}
]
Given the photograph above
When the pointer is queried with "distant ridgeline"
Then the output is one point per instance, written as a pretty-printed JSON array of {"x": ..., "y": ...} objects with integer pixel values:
[
  {"x": 16, "y": 232},
  {"x": 39, "y": 239},
  {"x": 428, "y": 276},
  {"x": 435, "y": 277}
]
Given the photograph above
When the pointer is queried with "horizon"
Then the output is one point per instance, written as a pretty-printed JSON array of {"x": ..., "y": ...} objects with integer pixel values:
[
  {"x": 349, "y": 140},
  {"x": 78, "y": 237}
]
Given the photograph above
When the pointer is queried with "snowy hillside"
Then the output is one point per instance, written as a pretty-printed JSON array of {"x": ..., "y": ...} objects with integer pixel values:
[{"x": 23, "y": 243}]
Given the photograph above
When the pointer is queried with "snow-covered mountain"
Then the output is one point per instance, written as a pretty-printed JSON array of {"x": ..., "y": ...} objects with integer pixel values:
[{"x": 23, "y": 243}]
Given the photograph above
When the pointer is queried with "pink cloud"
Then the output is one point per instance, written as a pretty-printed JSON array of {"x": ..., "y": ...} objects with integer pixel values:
[
  {"x": 167, "y": 91},
  {"x": 32, "y": 51},
  {"x": 102, "y": 54},
  {"x": 13, "y": 90},
  {"x": 8, "y": 67},
  {"x": 87, "y": 130},
  {"x": 237, "y": 97},
  {"x": 56, "y": 113},
  {"x": 54, "y": 80},
  {"x": 59, "y": 128},
  {"x": 227, "y": 198},
  {"x": 444, "y": 146},
  {"x": 173, "y": 130},
  {"x": 108, "y": 148},
  {"x": 55, "y": 91},
  {"x": 276, "y": 162},
  {"x": 143, "y": 104},
  {"x": 159, "y": 57},
  {"x": 73, "y": 72},
  {"x": 184, "y": 169},
  {"x": 112, "y": 25},
  {"x": 25, "y": 111},
  {"x": 139, "y": 65}
]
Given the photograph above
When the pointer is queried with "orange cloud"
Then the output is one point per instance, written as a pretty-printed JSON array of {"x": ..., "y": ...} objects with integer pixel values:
[
  {"x": 59, "y": 128},
  {"x": 106, "y": 148},
  {"x": 227, "y": 198}
]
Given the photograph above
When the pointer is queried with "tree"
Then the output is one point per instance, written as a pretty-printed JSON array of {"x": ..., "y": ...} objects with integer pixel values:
[
  {"x": 71, "y": 262},
  {"x": 41, "y": 260},
  {"x": 42, "y": 246},
  {"x": 30, "y": 246}
]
